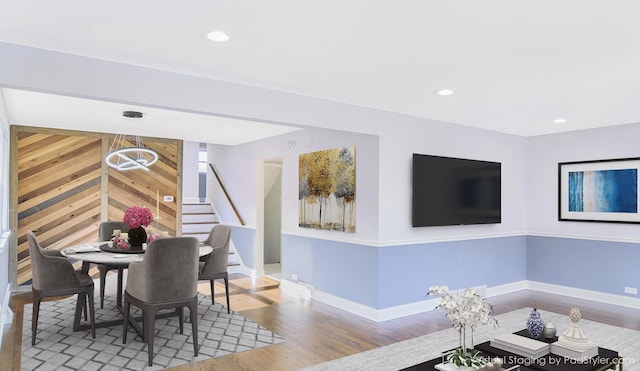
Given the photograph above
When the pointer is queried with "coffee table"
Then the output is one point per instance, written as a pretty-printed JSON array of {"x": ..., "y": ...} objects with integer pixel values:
[{"x": 606, "y": 359}]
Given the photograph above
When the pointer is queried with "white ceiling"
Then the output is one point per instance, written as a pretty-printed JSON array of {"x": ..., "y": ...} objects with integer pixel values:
[{"x": 515, "y": 65}]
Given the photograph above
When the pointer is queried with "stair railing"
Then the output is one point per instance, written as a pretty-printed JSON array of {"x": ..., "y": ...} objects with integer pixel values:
[{"x": 226, "y": 194}]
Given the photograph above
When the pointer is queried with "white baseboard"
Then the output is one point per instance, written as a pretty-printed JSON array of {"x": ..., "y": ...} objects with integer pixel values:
[
  {"x": 6, "y": 315},
  {"x": 506, "y": 288},
  {"x": 242, "y": 269},
  {"x": 299, "y": 290},
  {"x": 602, "y": 297}
]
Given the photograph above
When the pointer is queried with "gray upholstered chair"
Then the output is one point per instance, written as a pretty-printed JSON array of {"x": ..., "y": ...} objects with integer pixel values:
[
  {"x": 54, "y": 276},
  {"x": 104, "y": 234},
  {"x": 215, "y": 267},
  {"x": 166, "y": 278}
]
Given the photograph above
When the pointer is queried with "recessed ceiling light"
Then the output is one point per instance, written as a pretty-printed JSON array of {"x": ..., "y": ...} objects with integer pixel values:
[
  {"x": 218, "y": 36},
  {"x": 445, "y": 92},
  {"x": 560, "y": 121}
]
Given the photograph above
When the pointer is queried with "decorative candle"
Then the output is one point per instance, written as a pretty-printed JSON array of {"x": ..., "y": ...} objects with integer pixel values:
[
  {"x": 124, "y": 236},
  {"x": 116, "y": 232}
]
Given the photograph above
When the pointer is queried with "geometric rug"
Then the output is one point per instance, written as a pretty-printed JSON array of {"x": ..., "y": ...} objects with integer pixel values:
[
  {"x": 59, "y": 348},
  {"x": 414, "y": 351}
]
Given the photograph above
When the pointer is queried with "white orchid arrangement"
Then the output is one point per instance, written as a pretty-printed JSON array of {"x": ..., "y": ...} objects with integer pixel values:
[{"x": 467, "y": 310}]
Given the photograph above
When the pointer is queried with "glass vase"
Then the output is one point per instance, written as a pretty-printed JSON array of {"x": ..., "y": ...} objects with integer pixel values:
[{"x": 463, "y": 338}]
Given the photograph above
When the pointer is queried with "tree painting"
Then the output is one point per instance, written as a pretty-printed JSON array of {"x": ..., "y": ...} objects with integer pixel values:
[{"x": 327, "y": 189}]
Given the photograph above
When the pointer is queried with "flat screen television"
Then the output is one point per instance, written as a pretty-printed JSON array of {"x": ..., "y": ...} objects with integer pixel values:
[{"x": 455, "y": 191}]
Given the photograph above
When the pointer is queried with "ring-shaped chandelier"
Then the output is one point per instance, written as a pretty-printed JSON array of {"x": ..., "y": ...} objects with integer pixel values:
[{"x": 124, "y": 158}]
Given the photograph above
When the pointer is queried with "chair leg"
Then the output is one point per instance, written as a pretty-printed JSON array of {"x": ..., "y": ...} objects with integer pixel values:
[
  {"x": 149, "y": 318},
  {"x": 180, "y": 318},
  {"x": 125, "y": 324},
  {"x": 34, "y": 317},
  {"x": 92, "y": 308},
  {"x": 103, "y": 279},
  {"x": 86, "y": 311},
  {"x": 213, "y": 302},
  {"x": 226, "y": 286},
  {"x": 81, "y": 306},
  {"x": 193, "y": 312}
]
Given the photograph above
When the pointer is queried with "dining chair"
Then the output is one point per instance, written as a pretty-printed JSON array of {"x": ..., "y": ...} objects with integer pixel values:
[
  {"x": 105, "y": 233},
  {"x": 215, "y": 266},
  {"x": 54, "y": 276},
  {"x": 167, "y": 278}
]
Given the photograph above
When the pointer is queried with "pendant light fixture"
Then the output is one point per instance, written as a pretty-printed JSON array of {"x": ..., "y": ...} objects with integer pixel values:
[{"x": 121, "y": 157}]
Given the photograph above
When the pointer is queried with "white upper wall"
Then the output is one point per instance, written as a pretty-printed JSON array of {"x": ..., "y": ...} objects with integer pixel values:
[
  {"x": 545, "y": 152},
  {"x": 239, "y": 168},
  {"x": 403, "y": 136}
]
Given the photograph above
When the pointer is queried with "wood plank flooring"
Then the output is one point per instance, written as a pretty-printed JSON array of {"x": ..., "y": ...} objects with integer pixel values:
[{"x": 317, "y": 333}]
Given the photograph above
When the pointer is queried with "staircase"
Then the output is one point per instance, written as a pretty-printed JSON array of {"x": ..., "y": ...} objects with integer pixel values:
[{"x": 197, "y": 221}]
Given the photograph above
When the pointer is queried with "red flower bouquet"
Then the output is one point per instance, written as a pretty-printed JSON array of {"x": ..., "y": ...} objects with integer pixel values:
[{"x": 135, "y": 217}]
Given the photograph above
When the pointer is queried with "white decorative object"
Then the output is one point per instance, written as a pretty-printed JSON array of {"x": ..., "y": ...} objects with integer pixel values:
[
  {"x": 521, "y": 345},
  {"x": 573, "y": 343}
]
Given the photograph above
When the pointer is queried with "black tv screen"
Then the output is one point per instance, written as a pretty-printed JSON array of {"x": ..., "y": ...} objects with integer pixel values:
[{"x": 454, "y": 191}]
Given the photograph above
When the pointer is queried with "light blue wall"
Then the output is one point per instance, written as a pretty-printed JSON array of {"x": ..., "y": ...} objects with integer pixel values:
[
  {"x": 346, "y": 270},
  {"x": 382, "y": 277},
  {"x": 602, "y": 266},
  {"x": 407, "y": 272},
  {"x": 244, "y": 240}
]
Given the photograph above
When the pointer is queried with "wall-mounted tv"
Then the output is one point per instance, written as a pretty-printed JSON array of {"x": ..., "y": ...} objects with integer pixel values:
[{"x": 455, "y": 191}]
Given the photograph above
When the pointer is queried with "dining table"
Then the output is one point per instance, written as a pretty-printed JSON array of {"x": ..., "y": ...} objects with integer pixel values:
[{"x": 105, "y": 252}]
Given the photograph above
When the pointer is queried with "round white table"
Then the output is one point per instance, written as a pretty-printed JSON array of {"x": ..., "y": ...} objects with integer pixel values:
[{"x": 90, "y": 253}]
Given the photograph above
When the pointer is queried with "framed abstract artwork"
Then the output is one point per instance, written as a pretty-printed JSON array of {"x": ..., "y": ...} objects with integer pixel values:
[
  {"x": 599, "y": 191},
  {"x": 327, "y": 189}
]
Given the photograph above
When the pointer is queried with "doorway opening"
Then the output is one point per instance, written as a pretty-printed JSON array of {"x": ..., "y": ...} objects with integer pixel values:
[{"x": 272, "y": 218}]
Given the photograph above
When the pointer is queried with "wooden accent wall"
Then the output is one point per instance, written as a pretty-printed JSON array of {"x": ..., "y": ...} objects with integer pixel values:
[{"x": 65, "y": 189}]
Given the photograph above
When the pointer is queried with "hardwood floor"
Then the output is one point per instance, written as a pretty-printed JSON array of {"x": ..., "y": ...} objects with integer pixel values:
[{"x": 316, "y": 332}]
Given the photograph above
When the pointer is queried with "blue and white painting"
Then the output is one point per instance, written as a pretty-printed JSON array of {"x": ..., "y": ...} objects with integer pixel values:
[{"x": 608, "y": 191}]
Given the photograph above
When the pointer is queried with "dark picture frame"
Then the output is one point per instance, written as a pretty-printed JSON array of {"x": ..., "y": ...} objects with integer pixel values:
[{"x": 599, "y": 191}]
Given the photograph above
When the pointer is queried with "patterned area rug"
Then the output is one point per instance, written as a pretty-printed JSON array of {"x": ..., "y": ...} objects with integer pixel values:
[
  {"x": 421, "y": 349},
  {"x": 59, "y": 348}
]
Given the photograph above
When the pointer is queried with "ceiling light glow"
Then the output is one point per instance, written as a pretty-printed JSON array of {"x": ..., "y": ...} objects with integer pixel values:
[
  {"x": 445, "y": 92},
  {"x": 218, "y": 36},
  {"x": 560, "y": 121}
]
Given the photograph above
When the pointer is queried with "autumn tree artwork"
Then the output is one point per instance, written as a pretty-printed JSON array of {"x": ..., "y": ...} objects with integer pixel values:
[{"x": 327, "y": 189}]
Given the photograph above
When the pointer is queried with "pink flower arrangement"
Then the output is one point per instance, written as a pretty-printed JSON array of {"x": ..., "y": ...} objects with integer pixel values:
[{"x": 135, "y": 217}]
